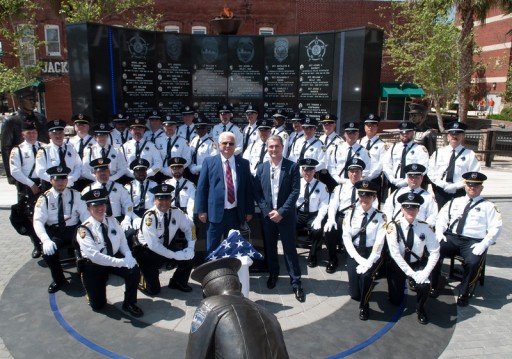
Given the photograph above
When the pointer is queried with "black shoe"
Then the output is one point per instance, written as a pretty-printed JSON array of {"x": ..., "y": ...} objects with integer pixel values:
[
  {"x": 463, "y": 300},
  {"x": 56, "y": 286},
  {"x": 299, "y": 294},
  {"x": 182, "y": 287},
  {"x": 36, "y": 253},
  {"x": 422, "y": 318},
  {"x": 331, "y": 267},
  {"x": 133, "y": 310},
  {"x": 272, "y": 281},
  {"x": 312, "y": 263},
  {"x": 364, "y": 313},
  {"x": 434, "y": 293}
]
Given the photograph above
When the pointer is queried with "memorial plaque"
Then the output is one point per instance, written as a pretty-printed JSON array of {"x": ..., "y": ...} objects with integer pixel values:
[
  {"x": 316, "y": 66},
  {"x": 281, "y": 73},
  {"x": 315, "y": 109},
  {"x": 137, "y": 70},
  {"x": 245, "y": 79},
  {"x": 210, "y": 65},
  {"x": 208, "y": 106}
]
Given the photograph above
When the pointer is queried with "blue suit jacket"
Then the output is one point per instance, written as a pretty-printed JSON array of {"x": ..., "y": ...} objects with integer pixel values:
[
  {"x": 211, "y": 189},
  {"x": 289, "y": 189}
]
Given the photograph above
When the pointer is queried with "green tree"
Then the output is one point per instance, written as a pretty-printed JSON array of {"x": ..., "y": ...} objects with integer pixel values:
[{"x": 419, "y": 41}]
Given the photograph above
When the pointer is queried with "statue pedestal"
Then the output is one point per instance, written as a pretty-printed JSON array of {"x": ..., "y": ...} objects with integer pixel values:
[{"x": 226, "y": 26}]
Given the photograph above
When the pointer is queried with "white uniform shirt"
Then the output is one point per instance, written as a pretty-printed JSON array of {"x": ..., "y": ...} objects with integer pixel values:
[
  {"x": 331, "y": 143},
  {"x": 22, "y": 162},
  {"x": 428, "y": 210},
  {"x": 148, "y": 151},
  {"x": 250, "y": 134},
  {"x": 119, "y": 198},
  {"x": 229, "y": 127},
  {"x": 392, "y": 160},
  {"x": 200, "y": 148},
  {"x": 49, "y": 157},
  {"x": 281, "y": 132},
  {"x": 253, "y": 155},
  {"x": 153, "y": 136},
  {"x": 182, "y": 132},
  {"x": 292, "y": 141},
  {"x": 464, "y": 162},
  {"x": 336, "y": 162},
  {"x": 179, "y": 148},
  {"x": 318, "y": 198},
  {"x": 117, "y": 166},
  {"x": 187, "y": 195},
  {"x": 313, "y": 148},
  {"x": 134, "y": 190},
  {"x": 117, "y": 139},
  {"x": 377, "y": 152},
  {"x": 87, "y": 141},
  {"x": 341, "y": 199}
]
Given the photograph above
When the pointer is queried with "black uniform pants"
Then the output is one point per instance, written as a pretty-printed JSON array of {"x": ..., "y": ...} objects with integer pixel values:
[
  {"x": 396, "y": 285},
  {"x": 473, "y": 264},
  {"x": 360, "y": 286},
  {"x": 95, "y": 277},
  {"x": 443, "y": 197},
  {"x": 304, "y": 221},
  {"x": 333, "y": 237},
  {"x": 150, "y": 263},
  {"x": 62, "y": 239}
]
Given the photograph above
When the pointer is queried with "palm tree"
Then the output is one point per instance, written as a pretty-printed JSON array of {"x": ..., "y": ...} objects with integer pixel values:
[{"x": 469, "y": 11}]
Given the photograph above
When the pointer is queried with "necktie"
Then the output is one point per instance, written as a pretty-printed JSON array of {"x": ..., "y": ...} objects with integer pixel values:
[
  {"x": 177, "y": 194},
  {"x": 369, "y": 145},
  {"x": 166, "y": 230},
  {"x": 62, "y": 157},
  {"x": 153, "y": 137},
  {"x": 188, "y": 133},
  {"x": 246, "y": 139},
  {"x": 109, "y": 206},
  {"x": 34, "y": 150},
  {"x": 362, "y": 234},
  {"x": 306, "y": 198},
  {"x": 409, "y": 243},
  {"x": 347, "y": 161},
  {"x": 263, "y": 152},
  {"x": 103, "y": 154},
  {"x": 229, "y": 184},
  {"x": 81, "y": 148},
  {"x": 402, "y": 162},
  {"x": 169, "y": 150},
  {"x": 224, "y": 128},
  {"x": 451, "y": 168},
  {"x": 462, "y": 221},
  {"x": 194, "y": 155},
  {"x": 137, "y": 150},
  {"x": 60, "y": 212},
  {"x": 108, "y": 243},
  {"x": 303, "y": 151},
  {"x": 123, "y": 138},
  {"x": 353, "y": 197},
  {"x": 142, "y": 199}
]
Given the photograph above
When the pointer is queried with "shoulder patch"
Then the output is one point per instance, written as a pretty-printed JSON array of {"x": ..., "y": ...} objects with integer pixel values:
[
  {"x": 39, "y": 201},
  {"x": 199, "y": 318},
  {"x": 496, "y": 209},
  {"x": 214, "y": 146},
  {"x": 285, "y": 136},
  {"x": 384, "y": 218},
  {"x": 39, "y": 154},
  {"x": 148, "y": 221},
  {"x": 390, "y": 227},
  {"x": 323, "y": 148},
  {"x": 81, "y": 232}
]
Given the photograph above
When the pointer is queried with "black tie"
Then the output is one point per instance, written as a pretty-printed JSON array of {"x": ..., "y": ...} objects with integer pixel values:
[
  {"x": 303, "y": 150},
  {"x": 188, "y": 134},
  {"x": 103, "y": 154},
  {"x": 109, "y": 206},
  {"x": 108, "y": 243},
  {"x": 34, "y": 150},
  {"x": 353, "y": 197},
  {"x": 169, "y": 150},
  {"x": 81, "y": 148},
  {"x": 246, "y": 139},
  {"x": 137, "y": 150},
  {"x": 369, "y": 145},
  {"x": 462, "y": 221},
  {"x": 402, "y": 162},
  {"x": 306, "y": 198},
  {"x": 362, "y": 233},
  {"x": 60, "y": 212},
  {"x": 409, "y": 243},
  {"x": 123, "y": 139},
  {"x": 224, "y": 130},
  {"x": 348, "y": 160},
  {"x": 263, "y": 152},
  {"x": 177, "y": 194},
  {"x": 451, "y": 168},
  {"x": 166, "y": 230},
  {"x": 194, "y": 155},
  {"x": 62, "y": 157},
  {"x": 142, "y": 199}
]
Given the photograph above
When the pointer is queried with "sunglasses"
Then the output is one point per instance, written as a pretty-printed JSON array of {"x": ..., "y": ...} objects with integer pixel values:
[
  {"x": 410, "y": 206},
  {"x": 227, "y": 143}
]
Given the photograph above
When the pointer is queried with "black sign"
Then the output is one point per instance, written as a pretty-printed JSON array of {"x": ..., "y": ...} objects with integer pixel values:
[
  {"x": 210, "y": 65},
  {"x": 245, "y": 67},
  {"x": 281, "y": 67}
]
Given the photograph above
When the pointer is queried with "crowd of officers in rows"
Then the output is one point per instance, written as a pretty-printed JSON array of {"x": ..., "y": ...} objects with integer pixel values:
[{"x": 137, "y": 180}]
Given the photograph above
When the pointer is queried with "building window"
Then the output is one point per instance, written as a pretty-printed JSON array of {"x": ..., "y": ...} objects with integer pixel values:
[
  {"x": 52, "y": 37},
  {"x": 266, "y": 31},
  {"x": 27, "y": 48},
  {"x": 199, "y": 30},
  {"x": 172, "y": 28}
]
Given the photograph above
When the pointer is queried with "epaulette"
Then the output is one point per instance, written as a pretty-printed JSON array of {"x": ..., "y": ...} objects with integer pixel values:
[
  {"x": 86, "y": 223},
  {"x": 47, "y": 191},
  {"x": 422, "y": 222},
  {"x": 378, "y": 210}
]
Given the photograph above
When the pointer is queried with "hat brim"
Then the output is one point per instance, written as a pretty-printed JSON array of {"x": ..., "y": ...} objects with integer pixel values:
[{"x": 229, "y": 263}]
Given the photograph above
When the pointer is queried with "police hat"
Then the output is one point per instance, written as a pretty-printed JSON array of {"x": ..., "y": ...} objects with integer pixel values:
[
  {"x": 279, "y": 113},
  {"x": 58, "y": 171},
  {"x": 137, "y": 122},
  {"x": 474, "y": 178},
  {"x": 264, "y": 124},
  {"x": 371, "y": 118},
  {"x": 102, "y": 129},
  {"x": 356, "y": 163},
  {"x": 297, "y": 116},
  {"x": 100, "y": 163},
  {"x": 178, "y": 162},
  {"x": 308, "y": 163},
  {"x": 225, "y": 108},
  {"x": 410, "y": 199},
  {"x": 310, "y": 122},
  {"x": 456, "y": 126},
  {"x": 154, "y": 115},
  {"x": 415, "y": 168},
  {"x": 162, "y": 190},
  {"x": 406, "y": 126},
  {"x": 351, "y": 126},
  {"x": 29, "y": 123},
  {"x": 29, "y": 91},
  {"x": 169, "y": 120},
  {"x": 120, "y": 117},
  {"x": 80, "y": 118},
  {"x": 138, "y": 164},
  {"x": 215, "y": 269},
  {"x": 201, "y": 120},
  {"x": 251, "y": 109},
  {"x": 55, "y": 125},
  {"x": 328, "y": 118},
  {"x": 366, "y": 187},
  {"x": 95, "y": 197},
  {"x": 187, "y": 110},
  {"x": 417, "y": 108}
]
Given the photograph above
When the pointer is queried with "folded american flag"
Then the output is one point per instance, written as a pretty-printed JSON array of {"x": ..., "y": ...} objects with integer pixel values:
[{"x": 234, "y": 246}]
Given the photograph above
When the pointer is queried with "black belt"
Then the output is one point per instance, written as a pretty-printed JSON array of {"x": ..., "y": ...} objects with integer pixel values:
[
  {"x": 466, "y": 238},
  {"x": 303, "y": 212}
]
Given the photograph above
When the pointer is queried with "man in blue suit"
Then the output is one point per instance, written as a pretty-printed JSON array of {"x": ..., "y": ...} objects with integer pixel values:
[
  {"x": 224, "y": 196},
  {"x": 276, "y": 189}
]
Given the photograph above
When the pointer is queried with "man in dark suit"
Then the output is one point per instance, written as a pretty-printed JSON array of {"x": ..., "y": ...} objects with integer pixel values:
[
  {"x": 224, "y": 195},
  {"x": 276, "y": 188}
]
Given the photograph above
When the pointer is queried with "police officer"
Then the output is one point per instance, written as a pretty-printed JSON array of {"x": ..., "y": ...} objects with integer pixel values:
[
  {"x": 364, "y": 231},
  {"x": 120, "y": 134},
  {"x": 225, "y": 318},
  {"x": 249, "y": 132},
  {"x": 449, "y": 163},
  {"x": 159, "y": 226},
  {"x": 296, "y": 134},
  {"x": 401, "y": 154},
  {"x": 56, "y": 216},
  {"x": 279, "y": 129},
  {"x": 225, "y": 112},
  {"x": 154, "y": 120},
  {"x": 428, "y": 210},
  {"x": 330, "y": 138},
  {"x": 11, "y": 128},
  {"x": 187, "y": 130},
  {"x": 467, "y": 226},
  {"x": 407, "y": 239},
  {"x": 101, "y": 149},
  {"x": 184, "y": 190},
  {"x": 22, "y": 167},
  {"x": 312, "y": 206},
  {"x": 58, "y": 153},
  {"x": 376, "y": 150},
  {"x": 309, "y": 146},
  {"x": 257, "y": 152},
  {"x": 202, "y": 146},
  {"x": 139, "y": 189},
  {"x": 342, "y": 155},
  {"x": 82, "y": 139},
  {"x": 104, "y": 251}
]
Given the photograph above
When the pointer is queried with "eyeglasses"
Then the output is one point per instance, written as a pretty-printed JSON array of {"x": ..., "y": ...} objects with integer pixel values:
[{"x": 227, "y": 143}]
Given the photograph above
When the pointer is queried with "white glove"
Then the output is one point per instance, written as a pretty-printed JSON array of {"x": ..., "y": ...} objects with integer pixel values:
[
  {"x": 478, "y": 248},
  {"x": 180, "y": 255},
  {"x": 373, "y": 258},
  {"x": 189, "y": 253},
  {"x": 331, "y": 224},
  {"x": 421, "y": 277},
  {"x": 317, "y": 224},
  {"x": 450, "y": 188},
  {"x": 442, "y": 238},
  {"x": 401, "y": 182},
  {"x": 440, "y": 183},
  {"x": 130, "y": 262},
  {"x": 361, "y": 269},
  {"x": 136, "y": 222},
  {"x": 125, "y": 224},
  {"x": 49, "y": 247}
]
